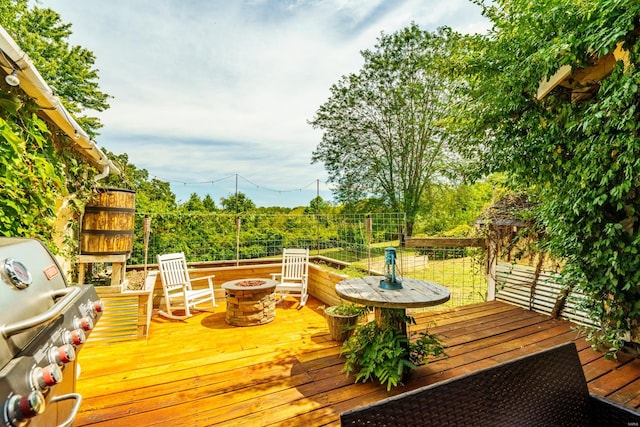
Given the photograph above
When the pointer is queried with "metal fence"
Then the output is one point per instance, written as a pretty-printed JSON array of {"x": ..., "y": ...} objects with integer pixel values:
[
  {"x": 356, "y": 239},
  {"x": 212, "y": 237},
  {"x": 460, "y": 269}
]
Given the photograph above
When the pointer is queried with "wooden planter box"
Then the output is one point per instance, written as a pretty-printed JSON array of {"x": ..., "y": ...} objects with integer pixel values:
[
  {"x": 109, "y": 290},
  {"x": 127, "y": 314}
]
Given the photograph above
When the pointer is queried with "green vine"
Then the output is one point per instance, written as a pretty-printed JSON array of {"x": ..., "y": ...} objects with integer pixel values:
[
  {"x": 38, "y": 170},
  {"x": 574, "y": 149}
]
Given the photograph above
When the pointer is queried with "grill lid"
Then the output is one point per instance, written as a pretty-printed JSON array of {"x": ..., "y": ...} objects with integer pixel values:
[{"x": 31, "y": 283}]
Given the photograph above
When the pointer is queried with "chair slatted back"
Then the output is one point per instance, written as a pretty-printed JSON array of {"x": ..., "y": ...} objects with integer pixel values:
[
  {"x": 295, "y": 264},
  {"x": 173, "y": 268}
]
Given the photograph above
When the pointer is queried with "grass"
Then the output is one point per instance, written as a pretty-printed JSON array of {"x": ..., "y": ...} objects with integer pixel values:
[{"x": 464, "y": 276}]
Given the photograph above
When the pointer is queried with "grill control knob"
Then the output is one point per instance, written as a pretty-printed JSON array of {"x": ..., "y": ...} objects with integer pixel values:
[
  {"x": 84, "y": 323},
  {"x": 75, "y": 337},
  {"x": 46, "y": 377},
  {"x": 20, "y": 408},
  {"x": 98, "y": 307},
  {"x": 62, "y": 355}
]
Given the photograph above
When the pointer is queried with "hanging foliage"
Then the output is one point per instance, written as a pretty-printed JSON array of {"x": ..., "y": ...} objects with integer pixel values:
[{"x": 577, "y": 154}]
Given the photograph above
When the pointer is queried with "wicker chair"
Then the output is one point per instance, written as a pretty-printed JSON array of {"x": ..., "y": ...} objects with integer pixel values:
[{"x": 547, "y": 388}]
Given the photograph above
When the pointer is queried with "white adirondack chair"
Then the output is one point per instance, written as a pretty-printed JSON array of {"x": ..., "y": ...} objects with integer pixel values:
[
  {"x": 178, "y": 293},
  {"x": 294, "y": 276}
]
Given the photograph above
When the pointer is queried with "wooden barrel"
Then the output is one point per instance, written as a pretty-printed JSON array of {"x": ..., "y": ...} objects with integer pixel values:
[{"x": 108, "y": 222}]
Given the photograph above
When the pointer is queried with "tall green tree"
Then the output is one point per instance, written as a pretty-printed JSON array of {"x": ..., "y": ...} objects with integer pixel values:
[
  {"x": 209, "y": 204},
  {"x": 317, "y": 205},
  {"x": 453, "y": 208},
  {"x": 238, "y": 203},
  {"x": 384, "y": 126},
  {"x": 70, "y": 70},
  {"x": 152, "y": 194},
  {"x": 580, "y": 159}
]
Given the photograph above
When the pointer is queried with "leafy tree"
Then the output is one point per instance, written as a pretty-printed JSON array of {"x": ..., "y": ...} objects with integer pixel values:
[
  {"x": 238, "y": 203},
  {"x": 41, "y": 33},
  {"x": 366, "y": 205},
  {"x": 447, "y": 207},
  {"x": 384, "y": 126},
  {"x": 578, "y": 158},
  {"x": 209, "y": 204},
  {"x": 317, "y": 205},
  {"x": 194, "y": 204}
]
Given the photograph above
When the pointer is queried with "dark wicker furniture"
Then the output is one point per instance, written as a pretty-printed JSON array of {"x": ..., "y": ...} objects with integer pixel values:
[{"x": 547, "y": 388}]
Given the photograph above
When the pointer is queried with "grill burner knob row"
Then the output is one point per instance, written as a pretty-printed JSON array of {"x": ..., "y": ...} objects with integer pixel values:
[
  {"x": 46, "y": 377},
  {"x": 18, "y": 409},
  {"x": 62, "y": 355}
]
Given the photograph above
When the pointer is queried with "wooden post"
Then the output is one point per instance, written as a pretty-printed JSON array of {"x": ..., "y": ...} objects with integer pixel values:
[
  {"x": 369, "y": 232},
  {"x": 238, "y": 222},
  {"x": 492, "y": 262}
]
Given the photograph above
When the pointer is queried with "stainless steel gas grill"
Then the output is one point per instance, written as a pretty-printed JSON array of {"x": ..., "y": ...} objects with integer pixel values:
[{"x": 43, "y": 324}]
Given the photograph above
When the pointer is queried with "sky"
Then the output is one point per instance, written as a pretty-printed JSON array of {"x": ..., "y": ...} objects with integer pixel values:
[{"x": 215, "y": 96}]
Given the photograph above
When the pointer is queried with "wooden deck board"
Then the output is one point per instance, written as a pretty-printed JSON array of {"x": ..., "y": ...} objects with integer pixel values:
[{"x": 203, "y": 372}]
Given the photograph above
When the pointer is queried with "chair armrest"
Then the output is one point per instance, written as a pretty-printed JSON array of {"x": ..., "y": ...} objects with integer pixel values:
[
  {"x": 608, "y": 412},
  {"x": 209, "y": 278},
  {"x": 274, "y": 275},
  {"x": 203, "y": 277}
]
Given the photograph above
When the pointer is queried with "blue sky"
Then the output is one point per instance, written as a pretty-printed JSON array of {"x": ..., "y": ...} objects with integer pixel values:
[{"x": 204, "y": 91}]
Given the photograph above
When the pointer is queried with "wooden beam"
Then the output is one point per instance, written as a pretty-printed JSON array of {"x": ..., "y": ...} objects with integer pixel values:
[
  {"x": 558, "y": 77},
  {"x": 583, "y": 79}
]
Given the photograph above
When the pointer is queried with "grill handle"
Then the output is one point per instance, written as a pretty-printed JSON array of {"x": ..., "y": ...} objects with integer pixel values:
[
  {"x": 74, "y": 410},
  {"x": 68, "y": 294}
]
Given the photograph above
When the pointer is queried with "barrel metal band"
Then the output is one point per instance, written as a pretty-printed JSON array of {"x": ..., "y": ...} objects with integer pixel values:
[
  {"x": 109, "y": 232},
  {"x": 108, "y": 209}
]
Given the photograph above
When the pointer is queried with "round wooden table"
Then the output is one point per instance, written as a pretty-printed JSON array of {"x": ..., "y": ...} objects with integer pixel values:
[{"x": 413, "y": 294}]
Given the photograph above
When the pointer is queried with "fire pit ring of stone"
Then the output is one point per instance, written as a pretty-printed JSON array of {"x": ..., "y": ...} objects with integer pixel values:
[
  {"x": 250, "y": 302},
  {"x": 243, "y": 284}
]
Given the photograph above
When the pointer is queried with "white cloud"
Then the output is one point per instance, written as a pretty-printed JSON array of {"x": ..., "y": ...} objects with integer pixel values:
[{"x": 215, "y": 88}]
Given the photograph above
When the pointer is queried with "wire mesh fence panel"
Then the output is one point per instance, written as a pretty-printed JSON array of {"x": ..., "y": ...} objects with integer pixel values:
[
  {"x": 460, "y": 269},
  {"x": 357, "y": 239},
  {"x": 216, "y": 236}
]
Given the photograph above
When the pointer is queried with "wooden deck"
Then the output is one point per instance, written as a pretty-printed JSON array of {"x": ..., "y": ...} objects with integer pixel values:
[{"x": 203, "y": 372}]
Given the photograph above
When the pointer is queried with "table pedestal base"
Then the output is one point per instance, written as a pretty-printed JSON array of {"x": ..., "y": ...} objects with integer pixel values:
[{"x": 391, "y": 316}]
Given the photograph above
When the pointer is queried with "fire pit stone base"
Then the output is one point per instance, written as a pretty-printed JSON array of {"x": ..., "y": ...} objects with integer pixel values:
[{"x": 250, "y": 302}]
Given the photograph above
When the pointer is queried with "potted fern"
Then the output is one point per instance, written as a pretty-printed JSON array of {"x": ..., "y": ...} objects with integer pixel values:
[
  {"x": 383, "y": 351},
  {"x": 342, "y": 319}
]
